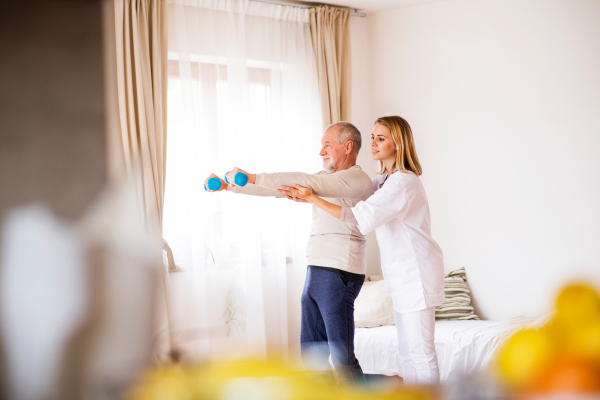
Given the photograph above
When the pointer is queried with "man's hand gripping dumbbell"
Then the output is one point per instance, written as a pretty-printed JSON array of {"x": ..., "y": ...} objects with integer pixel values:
[{"x": 235, "y": 177}]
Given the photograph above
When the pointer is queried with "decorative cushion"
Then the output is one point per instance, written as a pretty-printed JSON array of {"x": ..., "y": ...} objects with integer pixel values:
[
  {"x": 457, "y": 305},
  {"x": 373, "y": 307}
]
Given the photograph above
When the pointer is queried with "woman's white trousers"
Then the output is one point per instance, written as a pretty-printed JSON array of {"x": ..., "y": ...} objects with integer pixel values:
[{"x": 416, "y": 346}]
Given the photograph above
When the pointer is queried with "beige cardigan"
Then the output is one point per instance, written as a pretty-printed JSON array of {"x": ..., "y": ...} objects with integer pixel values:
[{"x": 332, "y": 243}]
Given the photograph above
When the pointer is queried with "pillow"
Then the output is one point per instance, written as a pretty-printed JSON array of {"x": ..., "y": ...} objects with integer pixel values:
[
  {"x": 373, "y": 307},
  {"x": 457, "y": 305}
]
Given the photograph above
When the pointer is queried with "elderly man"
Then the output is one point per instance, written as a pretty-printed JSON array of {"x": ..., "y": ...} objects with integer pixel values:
[{"x": 336, "y": 250}]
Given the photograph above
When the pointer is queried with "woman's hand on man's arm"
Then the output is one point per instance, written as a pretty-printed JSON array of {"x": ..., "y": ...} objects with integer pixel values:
[
  {"x": 302, "y": 194},
  {"x": 297, "y": 193}
]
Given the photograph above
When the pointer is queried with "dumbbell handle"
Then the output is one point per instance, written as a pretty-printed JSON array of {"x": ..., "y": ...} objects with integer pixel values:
[{"x": 240, "y": 178}]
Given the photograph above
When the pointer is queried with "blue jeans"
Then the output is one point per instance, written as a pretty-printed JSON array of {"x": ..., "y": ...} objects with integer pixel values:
[{"x": 328, "y": 324}]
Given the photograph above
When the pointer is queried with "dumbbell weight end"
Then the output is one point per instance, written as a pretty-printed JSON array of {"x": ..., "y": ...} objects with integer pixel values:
[
  {"x": 240, "y": 179},
  {"x": 213, "y": 184}
]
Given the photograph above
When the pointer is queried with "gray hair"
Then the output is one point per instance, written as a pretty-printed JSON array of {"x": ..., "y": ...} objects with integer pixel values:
[{"x": 347, "y": 131}]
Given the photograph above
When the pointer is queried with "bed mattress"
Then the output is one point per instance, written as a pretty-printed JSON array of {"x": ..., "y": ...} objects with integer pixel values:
[{"x": 463, "y": 347}]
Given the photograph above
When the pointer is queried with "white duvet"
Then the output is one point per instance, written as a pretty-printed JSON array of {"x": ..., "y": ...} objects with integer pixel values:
[{"x": 463, "y": 347}]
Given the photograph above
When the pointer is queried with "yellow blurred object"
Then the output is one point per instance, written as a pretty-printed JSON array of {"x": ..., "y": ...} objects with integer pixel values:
[
  {"x": 584, "y": 343},
  {"x": 254, "y": 379},
  {"x": 263, "y": 379},
  {"x": 577, "y": 305},
  {"x": 169, "y": 382},
  {"x": 562, "y": 356},
  {"x": 524, "y": 355}
]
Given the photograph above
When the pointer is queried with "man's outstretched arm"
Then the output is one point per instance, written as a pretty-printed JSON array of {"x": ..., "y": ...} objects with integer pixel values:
[
  {"x": 347, "y": 184},
  {"x": 254, "y": 190}
]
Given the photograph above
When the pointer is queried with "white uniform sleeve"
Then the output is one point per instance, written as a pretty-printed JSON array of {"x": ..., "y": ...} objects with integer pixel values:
[{"x": 384, "y": 205}]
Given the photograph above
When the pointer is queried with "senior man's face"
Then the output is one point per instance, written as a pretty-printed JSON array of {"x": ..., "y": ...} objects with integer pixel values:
[{"x": 331, "y": 151}]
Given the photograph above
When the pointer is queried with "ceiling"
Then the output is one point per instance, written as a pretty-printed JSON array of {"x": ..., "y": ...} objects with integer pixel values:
[{"x": 374, "y": 5}]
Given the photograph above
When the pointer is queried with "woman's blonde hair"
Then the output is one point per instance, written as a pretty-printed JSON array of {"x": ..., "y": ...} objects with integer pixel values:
[{"x": 406, "y": 154}]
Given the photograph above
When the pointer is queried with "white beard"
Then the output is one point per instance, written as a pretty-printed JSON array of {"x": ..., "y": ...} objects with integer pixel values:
[{"x": 328, "y": 166}]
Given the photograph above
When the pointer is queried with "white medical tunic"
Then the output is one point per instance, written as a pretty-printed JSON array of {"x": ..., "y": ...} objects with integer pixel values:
[{"x": 411, "y": 261}]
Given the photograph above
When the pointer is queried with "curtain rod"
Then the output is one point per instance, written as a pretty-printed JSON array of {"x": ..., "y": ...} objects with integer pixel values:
[{"x": 285, "y": 3}]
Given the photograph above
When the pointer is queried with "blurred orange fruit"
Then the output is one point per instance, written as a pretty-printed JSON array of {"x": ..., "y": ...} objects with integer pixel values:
[
  {"x": 524, "y": 356},
  {"x": 567, "y": 376},
  {"x": 584, "y": 343},
  {"x": 577, "y": 305}
]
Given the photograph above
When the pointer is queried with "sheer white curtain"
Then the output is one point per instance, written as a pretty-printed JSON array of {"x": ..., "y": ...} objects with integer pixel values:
[{"x": 242, "y": 92}]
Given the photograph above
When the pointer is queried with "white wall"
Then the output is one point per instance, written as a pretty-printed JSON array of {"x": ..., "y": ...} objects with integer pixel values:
[{"x": 504, "y": 100}]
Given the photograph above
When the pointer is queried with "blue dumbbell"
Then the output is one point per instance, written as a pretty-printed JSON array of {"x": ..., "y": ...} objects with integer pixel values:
[
  {"x": 213, "y": 184},
  {"x": 239, "y": 179}
]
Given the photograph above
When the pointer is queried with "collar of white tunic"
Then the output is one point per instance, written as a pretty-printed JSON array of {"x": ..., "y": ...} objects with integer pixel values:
[{"x": 381, "y": 179}]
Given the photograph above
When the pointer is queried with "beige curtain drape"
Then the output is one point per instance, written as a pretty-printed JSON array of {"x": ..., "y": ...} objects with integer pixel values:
[
  {"x": 141, "y": 75},
  {"x": 330, "y": 31}
]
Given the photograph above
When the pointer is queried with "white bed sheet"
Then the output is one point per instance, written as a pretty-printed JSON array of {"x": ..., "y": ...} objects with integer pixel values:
[{"x": 463, "y": 347}]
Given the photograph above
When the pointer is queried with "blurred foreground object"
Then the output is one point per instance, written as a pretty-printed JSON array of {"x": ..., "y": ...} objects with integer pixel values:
[
  {"x": 254, "y": 379},
  {"x": 562, "y": 357},
  {"x": 43, "y": 298},
  {"x": 77, "y": 301}
]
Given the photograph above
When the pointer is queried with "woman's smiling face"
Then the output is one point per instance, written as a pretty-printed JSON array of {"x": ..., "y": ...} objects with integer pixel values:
[{"x": 382, "y": 144}]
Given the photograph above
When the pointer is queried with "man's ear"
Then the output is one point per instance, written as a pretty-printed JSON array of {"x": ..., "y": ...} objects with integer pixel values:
[{"x": 349, "y": 146}]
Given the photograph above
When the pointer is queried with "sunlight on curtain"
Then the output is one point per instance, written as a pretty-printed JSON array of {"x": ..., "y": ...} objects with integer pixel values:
[{"x": 242, "y": 92}]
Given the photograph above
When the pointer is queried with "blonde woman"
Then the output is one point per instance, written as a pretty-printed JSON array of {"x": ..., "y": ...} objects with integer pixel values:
[{"x": 411, "y": 261}]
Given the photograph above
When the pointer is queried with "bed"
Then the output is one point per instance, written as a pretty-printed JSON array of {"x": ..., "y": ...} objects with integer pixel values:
[{"x": 463, "y": 347}]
